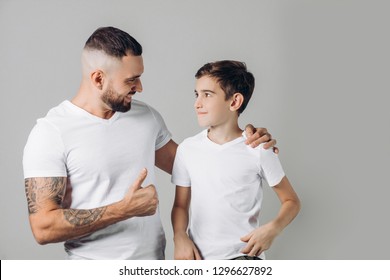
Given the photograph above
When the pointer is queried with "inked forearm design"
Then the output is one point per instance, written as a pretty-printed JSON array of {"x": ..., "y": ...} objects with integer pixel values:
[
  {"x": 41, "y": 190},
  {"x": 83, "y": 217}
]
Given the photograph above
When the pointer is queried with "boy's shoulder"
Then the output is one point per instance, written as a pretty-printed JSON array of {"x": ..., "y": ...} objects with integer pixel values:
[{"x": 195, "y": 139}]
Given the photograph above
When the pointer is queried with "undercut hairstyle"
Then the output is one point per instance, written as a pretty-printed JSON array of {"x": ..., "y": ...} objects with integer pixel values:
[
  {"x": 113, "y": 42},
  {"x": 232, "y": 76}
]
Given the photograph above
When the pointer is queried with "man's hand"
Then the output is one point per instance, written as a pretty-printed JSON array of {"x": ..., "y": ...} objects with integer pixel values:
[
  {"x": 140, "y": 201},
  {"x": 259, "y": 240},
  {"x": 185, "y": 249},
  {"x": 256, "y": 136}
]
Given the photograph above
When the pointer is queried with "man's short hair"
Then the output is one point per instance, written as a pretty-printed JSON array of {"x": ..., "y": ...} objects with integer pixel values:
[{"x": 114, "y": 42}]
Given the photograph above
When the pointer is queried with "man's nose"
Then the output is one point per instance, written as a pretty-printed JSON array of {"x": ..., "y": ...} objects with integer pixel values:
[{"x": 138, "y": 86}]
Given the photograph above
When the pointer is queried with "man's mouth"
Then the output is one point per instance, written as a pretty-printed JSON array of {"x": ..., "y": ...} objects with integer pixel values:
[{"x": 129, "y": 97}]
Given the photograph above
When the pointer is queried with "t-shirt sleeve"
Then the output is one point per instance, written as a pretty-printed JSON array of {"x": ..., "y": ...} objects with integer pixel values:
[
  {"x": 163, "y": 135},
  {"x": 271, "y": 168},
  {"x": 44, "y": 154},
  {"x": 180, "y": 176}
]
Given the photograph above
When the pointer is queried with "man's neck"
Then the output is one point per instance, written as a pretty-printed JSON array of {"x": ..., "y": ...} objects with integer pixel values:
[{"x": 84, "y": 100}]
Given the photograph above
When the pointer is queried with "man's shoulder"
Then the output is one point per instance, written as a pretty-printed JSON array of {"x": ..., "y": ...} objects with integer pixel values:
[
  {"x": 59, "y": 111},
  {"x": 140, "y": 107}
]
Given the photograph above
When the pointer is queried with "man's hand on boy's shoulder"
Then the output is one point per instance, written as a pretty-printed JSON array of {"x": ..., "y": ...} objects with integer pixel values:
[{"x": 257, "y": 136}]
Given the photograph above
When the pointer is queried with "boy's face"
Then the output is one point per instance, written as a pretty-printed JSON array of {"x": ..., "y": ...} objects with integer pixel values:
[{"x": 210, "y": 105}]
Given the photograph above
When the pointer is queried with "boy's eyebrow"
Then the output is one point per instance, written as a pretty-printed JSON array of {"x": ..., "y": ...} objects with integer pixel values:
[{"x": 204, "y": 90}]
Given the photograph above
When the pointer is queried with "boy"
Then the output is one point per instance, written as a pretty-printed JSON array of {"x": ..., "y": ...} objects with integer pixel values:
[{"x": 222, "y": 178}]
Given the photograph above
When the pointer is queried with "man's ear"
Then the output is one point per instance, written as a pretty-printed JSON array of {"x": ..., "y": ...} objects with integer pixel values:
[
  {"x": 97, "y": 79},
  {"x": 236, "y": 101}
]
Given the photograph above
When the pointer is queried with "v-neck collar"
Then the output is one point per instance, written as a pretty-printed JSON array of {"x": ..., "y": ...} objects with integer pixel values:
[
  {"x": 224, "y": 145},
  {"x": 83, "y": 112}
]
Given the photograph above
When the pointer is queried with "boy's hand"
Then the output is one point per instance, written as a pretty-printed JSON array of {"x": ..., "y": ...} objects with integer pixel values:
[
  {"x": 256, "y": 136},
  {"x": 185, "y": 249},
  {"x": 259, "y": 240}
]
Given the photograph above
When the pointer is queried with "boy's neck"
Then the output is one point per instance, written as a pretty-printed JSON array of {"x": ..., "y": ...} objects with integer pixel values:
[{"x": 222, "y": 134}]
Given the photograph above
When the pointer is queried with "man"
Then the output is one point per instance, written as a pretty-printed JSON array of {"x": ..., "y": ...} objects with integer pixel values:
[{"x": 86, "y": 161}]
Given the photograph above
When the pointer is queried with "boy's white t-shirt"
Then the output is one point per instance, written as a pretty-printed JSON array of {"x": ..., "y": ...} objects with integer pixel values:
[
  {"x": 101, "y": 158},
  {"x": 226, "y": 191}
]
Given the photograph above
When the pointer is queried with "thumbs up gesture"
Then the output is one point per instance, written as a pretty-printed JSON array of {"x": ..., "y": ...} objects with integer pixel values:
[{"x": 140, "y": 201}]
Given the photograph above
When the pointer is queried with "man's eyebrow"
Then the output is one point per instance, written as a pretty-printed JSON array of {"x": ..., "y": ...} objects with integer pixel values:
[{"x": 132, "y": 78}]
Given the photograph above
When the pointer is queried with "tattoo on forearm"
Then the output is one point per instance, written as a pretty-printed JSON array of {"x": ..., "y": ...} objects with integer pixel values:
[
  {"x": 80, "y": 218},
  {"x": 42, "y": 190},
  {"x": 52, "y": 189}
]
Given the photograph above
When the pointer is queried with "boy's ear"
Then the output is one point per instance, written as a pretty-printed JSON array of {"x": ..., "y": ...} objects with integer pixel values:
[
  {"x": 236, "y": 101},
  {"x": 97, "y": 79}
]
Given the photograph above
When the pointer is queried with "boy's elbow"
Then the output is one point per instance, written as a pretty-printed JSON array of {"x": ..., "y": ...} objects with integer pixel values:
[{"x": 298, "y": 205}]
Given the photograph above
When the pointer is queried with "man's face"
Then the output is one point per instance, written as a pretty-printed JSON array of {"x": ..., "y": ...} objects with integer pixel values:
[{"x": 123, "y": 83}]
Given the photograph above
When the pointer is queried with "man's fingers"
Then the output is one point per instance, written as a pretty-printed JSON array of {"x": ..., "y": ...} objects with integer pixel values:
[
  {"x": 269, "y": 144},
  {"x": 257, "y": 137},
  {"x": 140, "y": 179},
  {"x": 249, "y": 130}
]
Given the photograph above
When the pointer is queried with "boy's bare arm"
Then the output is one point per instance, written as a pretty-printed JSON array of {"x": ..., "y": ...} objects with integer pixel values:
[
  {"x": 184, "y": 247},
  {"x": 51, "y": 223},
  {"x": 261, "y": 238}
]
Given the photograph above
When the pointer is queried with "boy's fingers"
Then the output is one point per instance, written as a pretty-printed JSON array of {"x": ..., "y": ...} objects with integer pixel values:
[
  {"x": 245, "y": 238},
  {"x": 247, "y": 249}
]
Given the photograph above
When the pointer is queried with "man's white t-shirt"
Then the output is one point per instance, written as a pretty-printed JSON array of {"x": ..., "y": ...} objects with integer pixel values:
[
  {"x": 226, "y": 191},
  {"x": 101, "y": 158}
]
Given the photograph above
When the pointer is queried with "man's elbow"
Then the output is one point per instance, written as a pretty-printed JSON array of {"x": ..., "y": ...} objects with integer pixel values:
[{"x": 42, "y": 233}]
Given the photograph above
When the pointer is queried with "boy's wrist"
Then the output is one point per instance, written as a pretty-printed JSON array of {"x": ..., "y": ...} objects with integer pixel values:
[
  {"x": 274, "y": 227},
  {"x": 179, "y": 235}
]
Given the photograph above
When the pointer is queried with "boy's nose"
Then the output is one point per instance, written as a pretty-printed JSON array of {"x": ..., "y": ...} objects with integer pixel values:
[{"x": 197, "y": 103}]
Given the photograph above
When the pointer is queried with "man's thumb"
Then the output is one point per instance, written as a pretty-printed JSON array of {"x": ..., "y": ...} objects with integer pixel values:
[{"x": 140, "y": 179}]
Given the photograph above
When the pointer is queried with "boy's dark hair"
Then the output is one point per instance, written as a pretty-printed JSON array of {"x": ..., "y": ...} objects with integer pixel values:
[
  {"x": 114, "y": 42},
  {"x": 232, "y": 76}
]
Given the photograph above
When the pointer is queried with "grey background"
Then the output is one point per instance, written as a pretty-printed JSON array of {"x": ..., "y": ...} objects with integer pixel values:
[{"x": 322, "y": 71}]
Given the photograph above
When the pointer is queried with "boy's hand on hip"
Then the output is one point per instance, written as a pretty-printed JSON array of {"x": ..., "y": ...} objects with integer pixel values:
[{"x": 259, "y": 240}]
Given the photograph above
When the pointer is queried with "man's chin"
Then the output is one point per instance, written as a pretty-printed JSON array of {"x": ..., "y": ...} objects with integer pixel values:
[{"x": 122, "y": 108}]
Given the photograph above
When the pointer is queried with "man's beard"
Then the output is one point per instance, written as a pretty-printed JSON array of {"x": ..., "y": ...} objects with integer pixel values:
[{"x": 115, "y": 101}]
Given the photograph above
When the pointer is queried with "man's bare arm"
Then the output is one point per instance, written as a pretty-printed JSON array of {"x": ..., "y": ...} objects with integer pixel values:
[
  {"x": 51, "y": 223},
  {"x": 165, "y": 156}
]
